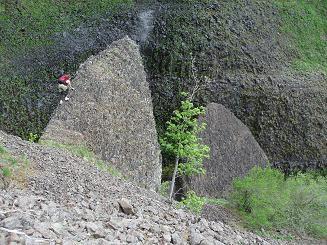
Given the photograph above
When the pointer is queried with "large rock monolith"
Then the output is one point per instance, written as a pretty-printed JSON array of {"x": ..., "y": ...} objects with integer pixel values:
[
  {"x": 111, "y": 112},
  {"x": 233, "y": 152}
]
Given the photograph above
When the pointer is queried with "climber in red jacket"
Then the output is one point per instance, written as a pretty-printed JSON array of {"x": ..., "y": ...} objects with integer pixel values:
[{"x": 64, "y": 84}]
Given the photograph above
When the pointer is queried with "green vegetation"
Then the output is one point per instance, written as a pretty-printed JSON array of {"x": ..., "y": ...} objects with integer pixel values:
[
  {"x": 13, "y": 170},
  {"x": 85, "y": 153},
  {"x": 181, "y": 140},
  {"x": 306, "y": 23},
  {"x": 29, "y": 23},
  {"x": 195, "y": 203},
  {"x": 33, "y": 137},
  {"x": 164, "y": 188},
  {"x": 269, "y": 202}
]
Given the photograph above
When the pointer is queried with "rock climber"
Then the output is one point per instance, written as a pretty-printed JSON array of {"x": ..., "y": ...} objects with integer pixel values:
[{"x": 64, "y": 84}]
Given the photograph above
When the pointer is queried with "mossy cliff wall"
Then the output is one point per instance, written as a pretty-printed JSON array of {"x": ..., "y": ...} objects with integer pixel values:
[
  {"x": 41, "y": 37},
  {"x": 242, "y": 49}
]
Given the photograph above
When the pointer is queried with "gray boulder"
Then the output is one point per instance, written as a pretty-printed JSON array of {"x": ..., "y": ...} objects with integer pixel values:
[
  {"x": 233, "y": 152},
  {"x": 110, "y": 111}
]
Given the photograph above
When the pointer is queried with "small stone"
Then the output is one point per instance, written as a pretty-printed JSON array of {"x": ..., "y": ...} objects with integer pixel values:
[
  {"x": 215, "y": 227},
  {"x": 57, "y": 228},
  {"x": 91, "y": 226},
  {"x": 96, "y": 230},
  {"x": 58, "y": 242},
  {"x": 238, "y": 238},
  {"x": 208, "y": 241},
  {"x": 131, "y": 239},
  {"x": 202, "y": 228},
  {"x": 44, "y": 230},
  {"x": 14, "y": 238},
  {"x": 218, "y": 243},
  {"x": 69, "y": 242},
  {"x": 145, "y": 226},
  {"x": 126, "y": 207},
  {"x": 29, "y": 232},
  {"x": 167, "y": 237},
  {"x": 12, "y": 222},
  {"x": 25, "y": 202},
  {"x": 155, "y": 229},
  {"x": 176, "y": 239},
  {"x": 196, "y": 238},
  {"x": 109, "y": 237}
]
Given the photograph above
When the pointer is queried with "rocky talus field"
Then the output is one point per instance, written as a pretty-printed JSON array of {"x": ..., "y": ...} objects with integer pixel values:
[{"x": 67, "y": 200}]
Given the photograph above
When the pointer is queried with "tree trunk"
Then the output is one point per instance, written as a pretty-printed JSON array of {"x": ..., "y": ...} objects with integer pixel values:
[{"x": 172, "y": 186}]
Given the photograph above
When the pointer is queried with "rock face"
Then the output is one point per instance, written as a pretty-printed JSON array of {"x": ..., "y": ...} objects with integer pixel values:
[
  {"x": 233, "y": 152},
  {"x": 239, "y": 46},
  {"x": 110, "y": 111},
  {"x": 69, "y": 201}
]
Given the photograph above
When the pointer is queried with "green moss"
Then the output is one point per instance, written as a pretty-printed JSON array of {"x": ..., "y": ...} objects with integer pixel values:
[
  {"x": 85, "y": 153},
  {"x": 30, "y": 23},
  {"x": 16, "y": 101},
  {"x": 306, "y": 24}
]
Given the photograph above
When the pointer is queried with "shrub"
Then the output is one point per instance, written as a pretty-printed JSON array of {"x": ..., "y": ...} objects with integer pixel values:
[
  {"x": 193, "y": 202},
  {"x": 33, "y": 137},
  {"x": 268, "y": 201}
]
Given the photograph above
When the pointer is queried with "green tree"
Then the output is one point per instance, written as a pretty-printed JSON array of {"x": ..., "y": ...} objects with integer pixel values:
[{"x": 181, "y": 140}]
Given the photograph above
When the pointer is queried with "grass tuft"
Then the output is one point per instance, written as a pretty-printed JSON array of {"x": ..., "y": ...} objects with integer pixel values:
[{"x": 13, "y": 170}]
